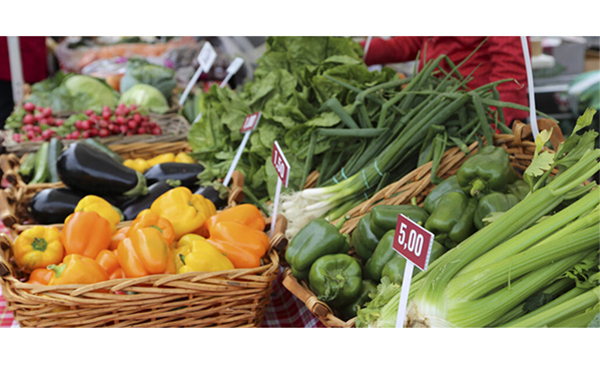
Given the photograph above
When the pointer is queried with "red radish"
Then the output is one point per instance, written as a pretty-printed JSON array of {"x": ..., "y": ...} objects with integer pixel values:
[
  {"x": 31, "y": 135},
  {"x": 142, "y": 130},
  {"x": 144, "y": 124},
  {"x": 137, "y": 117},
  {"x": 106, "y": 107},
  {"x": 121, "y": 106},
  {"x": 104, "y": 133},
  {"x": 133, "y": 107},
  {"x": 132, "y": 124},
  {"x": 39, "y": 108},
  {"x": 59, "y": 122},
  {"x": 43, "y": 121},
  {"x": 89, "y": 112},
  {"x": 156, "y": 131},
  {"x": 28, "y": 119},
  {"x": 37, "y": 129},
  {"x": 86, "y": 134},
  {"x": 113, "y": 128},
  {"x": 129, "y": 134},
  {"x": 103, "y": 124},
  {"x": 106, "y": 114},
  {"x": 85, "y": 124},
  {"x": 75, "y": 134},
  {"x": 120, "y": 120},
  {"x": 37, "y": 139},
  {"x": 51, "y": 121},
  {"x": 123, "y": 129},
  {"x": 47, "y": 112},
  {"x": 27, "y": 128},
  {"x": 95, "y": 118},
  {"x": 38, "y": 117},
  {"x": 93, "y": 132},
  {"x": 18, "y": 137},
  {"x": 47, "y": 134},
  {"x": 29, "y": 107}
]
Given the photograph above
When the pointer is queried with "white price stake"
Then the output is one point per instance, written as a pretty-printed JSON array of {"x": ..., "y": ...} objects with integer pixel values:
[
  {"x": 532, "y": 115},
  {"x": 367, "y": 45},
  {"x": 414, "y": 243},
  {"x": 232, "y": 69},
  {"x": 282, "y": 167},
  {"x": 206, "y": 58},
  {"x": 16, "y": 68},
  {"x": 249, "y": 125}
]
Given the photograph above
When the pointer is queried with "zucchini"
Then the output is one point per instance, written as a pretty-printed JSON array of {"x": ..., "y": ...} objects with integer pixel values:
[
  {"x": 41, "y": 165},
  {"x": 54, "y": 150},
  {"x": 94, "y": 143},
  {"x": 28, "y": 165}
]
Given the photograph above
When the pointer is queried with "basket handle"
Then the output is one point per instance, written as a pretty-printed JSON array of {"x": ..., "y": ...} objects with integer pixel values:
[
  {"x": 6, "y": 212},
  {"x": 278, "y": 239},
  {"x": 236, "y": 194},
  {"x": 5, "y": 245}
]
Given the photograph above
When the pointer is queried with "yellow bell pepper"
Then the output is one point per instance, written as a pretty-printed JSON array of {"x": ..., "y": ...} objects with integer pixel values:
[
  {"x": 92, "y": 203},
  {"x": 38, "y": 247},
  {"x": 139, "y": 164},
  {"x": 186, "y": 211},
  {"x": 195, "y": 253},
  {"x": 184, "y": 158},
  {"x": 165, "y": 157}
]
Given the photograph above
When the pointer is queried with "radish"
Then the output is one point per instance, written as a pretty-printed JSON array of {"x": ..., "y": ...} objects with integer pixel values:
[
  {"x": 93, "y": 132},
  {"x": 104, "y": 132},
  {"x": 37, "y": 129},
  {"x": 29, "y": 107},
  {"x": 123, "y": 129},
  {"x": 18, "y": 137},
  {"x": 43, "y": 121},
  {"x": 27, "y": 128},
  {"x": 89, "y": 112},
  {"x": 129, "y": 134},
  {"x": 142, "y": 130},
  {"x": 156, "y": 131},
  {"x": 106, "y": 114},
  {"x": 28, "y": 119},
  {"x": 137, "y": 117},
  {"x": 39, "y": 108},
  {"x": 31, "y": 135},
  {"x": 38, "y": 116},
  {"x": 120, "y": 120},
  {"x": 59, "y": 122},
  {"x": 47, "y": 112},
  {"x": 86, "y": 134},
  {"x": 75, "y": 134},
  {"x": 85, "y": 124},
  {"x": 103, "y": 124}
]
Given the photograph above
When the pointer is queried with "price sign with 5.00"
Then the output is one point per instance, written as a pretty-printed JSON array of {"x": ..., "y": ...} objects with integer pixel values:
[
  {"x": 282, "y": 167},
  {"x": 413, "y": 242}
]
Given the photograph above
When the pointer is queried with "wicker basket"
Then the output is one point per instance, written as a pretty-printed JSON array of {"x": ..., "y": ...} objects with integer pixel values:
[
  {"x": 417, "y": 184},
  {"x": 19, "y": 193},
  {"x": 174, "y": 128},
  {"x": 231, "y": 298}
]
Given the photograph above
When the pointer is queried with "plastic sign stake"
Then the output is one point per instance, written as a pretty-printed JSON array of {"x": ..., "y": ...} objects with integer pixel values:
[
  {"x": 16, "y": 68},
  {"x": 249, "y": 125},
  {"x": 206, "y": 58},
  {"x": 532, "y": 115},
  {"x": 282, "y": 167},
  {"x": 414, "y": 243},
  {"x": 232, "y": 69},
  {"x": 367, "y": 44}
]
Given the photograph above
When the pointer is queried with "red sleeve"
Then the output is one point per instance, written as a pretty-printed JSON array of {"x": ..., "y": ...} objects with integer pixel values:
[
  {"x": 508, "y": 62},
  {"x": 395, "y": 49},
  {"x": 33, "y": 59}
]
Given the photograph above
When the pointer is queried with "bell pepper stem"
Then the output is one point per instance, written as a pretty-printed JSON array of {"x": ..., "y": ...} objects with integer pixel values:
[
  {"x": 341, "y": 222},
  {"x": 39, "y": 244},
  {"x": 333, "y": 285},
  {"x": 58, "y": 269},
  {"x": 140, "y": 188},
  {"x": 477, "y": 186}
]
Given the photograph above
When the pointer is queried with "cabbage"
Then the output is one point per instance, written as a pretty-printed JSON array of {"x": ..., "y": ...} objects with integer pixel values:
[
  {"x": 90, "y": 93},
  {"x": 145, "y": 97},
  {"x": 140, "y": 71}
]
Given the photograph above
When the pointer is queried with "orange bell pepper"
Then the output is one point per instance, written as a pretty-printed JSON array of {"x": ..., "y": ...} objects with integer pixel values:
[
  {"x": 117, "y": 237},
  {"x": 93, "y": 203},
  {"x": 153, "y": 220},
  {"x": 40, "y": 276},
  {"x": 77, "y": 269},
  {"x": 246, "y": 214},
  {"x": 109, "y": 262},
  {"x": 86, "y": 234},
  {"x": 145, "y": 252},
  {"x": 243, "y": 246}
]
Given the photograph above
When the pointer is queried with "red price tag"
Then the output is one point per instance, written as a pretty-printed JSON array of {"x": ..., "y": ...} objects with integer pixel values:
[
  {"x": 413, "y": 242},
  {"x": 282, "y": 167},
  {"x": 250, "y": 122}
]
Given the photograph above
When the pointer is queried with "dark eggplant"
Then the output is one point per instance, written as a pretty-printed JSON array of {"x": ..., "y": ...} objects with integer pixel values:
[
  {"x": 210, "y": 193},
  {"x": 51, "y": 206},
  {"x": 135, "y": 205},
  {"x": 186, "y": 173},
  {"x": 85, "y": 168}
]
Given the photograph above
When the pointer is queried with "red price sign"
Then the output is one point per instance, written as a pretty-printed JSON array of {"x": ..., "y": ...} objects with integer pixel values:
[
  {"x": 250, "y": 122},
  {"x": 413, "y": 242},
  {"x": 280, "y": 163}
]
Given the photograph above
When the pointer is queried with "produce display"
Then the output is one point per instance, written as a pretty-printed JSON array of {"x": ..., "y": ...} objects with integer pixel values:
[{"x": 514, "y": 245}]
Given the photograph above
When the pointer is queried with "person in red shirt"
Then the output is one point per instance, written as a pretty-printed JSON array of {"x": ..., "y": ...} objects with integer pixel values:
[
  {"x": 34, "y": 65},
  {"x": 498, "y": 58}
]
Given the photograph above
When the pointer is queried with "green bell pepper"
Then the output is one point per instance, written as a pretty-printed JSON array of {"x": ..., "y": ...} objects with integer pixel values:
[
  {"x": 383, "y": 253},
  {"x": 385, "y": 217},
  {"x": 494, "y": 202},
  {"x": 519, "y": 188},
  {"x": 488, "y": 170},
  {"x": 350, "y": 310},
  {"x": 316, "y": 239},
  {"x": 336, "y": 279},
  {"x": 364, "y": 240},
  {"x": 394, "y": 269},
  {"x": 447, "y": 186},
  {"x": 452, "y": 219}
]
